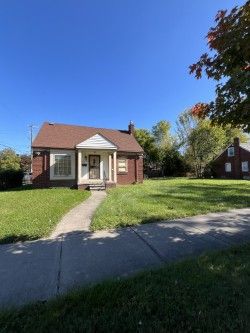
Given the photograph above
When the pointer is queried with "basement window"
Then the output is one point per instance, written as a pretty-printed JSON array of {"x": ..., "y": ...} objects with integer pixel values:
[{"x": 122, "y": 164}]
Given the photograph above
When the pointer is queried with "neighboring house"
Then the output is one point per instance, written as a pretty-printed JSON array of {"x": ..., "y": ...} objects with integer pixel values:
[
  {"x": 81, "y": 157},
  {"x": 234, "y": 161}
]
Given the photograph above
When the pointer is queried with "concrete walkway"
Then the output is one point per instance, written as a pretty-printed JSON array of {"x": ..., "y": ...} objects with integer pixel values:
[
  {"x": 42, "y": 269},
  {"x": 79, "y": 218}
]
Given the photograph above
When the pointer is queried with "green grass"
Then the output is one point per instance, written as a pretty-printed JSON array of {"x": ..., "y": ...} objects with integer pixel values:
[
  {"x": 208, "y": 294},
  {"x": 171, "y": 198},
  {"x": 31, "y": 214}
]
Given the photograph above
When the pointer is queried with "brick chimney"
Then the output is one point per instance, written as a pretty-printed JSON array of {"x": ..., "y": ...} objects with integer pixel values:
[
  {"x": 236, "y": 142},
  {"x": 131, "y": 128}
]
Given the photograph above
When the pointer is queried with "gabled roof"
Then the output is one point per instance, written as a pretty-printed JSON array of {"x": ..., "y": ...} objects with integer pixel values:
[
  {"x": 69, "y": 136},
  {"x": 246, "y": 146}
]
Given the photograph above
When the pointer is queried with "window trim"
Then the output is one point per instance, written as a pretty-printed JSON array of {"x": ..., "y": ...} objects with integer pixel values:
[
  {"x": 247, "y": 166},
  {"x": 231, "y": 149},
  {"x": 126, "y": 164},
  {"x": 53, "y": 153},
  {"x": 227, "y": 164}
]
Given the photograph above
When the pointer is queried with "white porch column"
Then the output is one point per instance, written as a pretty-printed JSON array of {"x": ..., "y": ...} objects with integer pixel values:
[
  {"x": 114, "y": 167},
  {"x": 101, "y": 168},
  {"x": 79, "y": 170},
  {"x": 110, "y": 167}
]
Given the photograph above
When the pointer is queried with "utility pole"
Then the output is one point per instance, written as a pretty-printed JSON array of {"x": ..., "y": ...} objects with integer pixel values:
[{"x": 31, "y": 127}]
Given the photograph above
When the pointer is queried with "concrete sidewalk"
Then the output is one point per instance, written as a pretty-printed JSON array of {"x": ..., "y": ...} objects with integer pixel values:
[{"x": 42, "y": 269}]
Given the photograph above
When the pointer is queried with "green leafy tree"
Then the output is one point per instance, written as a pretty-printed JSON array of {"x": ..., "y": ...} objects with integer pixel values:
[
  {"x": 204, "y": 143},
  {"x": 232, "y": 133},
  {"x": 160, "y": 151},
  {"x": 145, "y": 139},
  {"x": 229, "y": 64},
  {"x": 174, "y": 164},
  {"x": 25, "y": 162},
  {"x": 161, "y": 134},
  {"x": 9, "y": 160},
  {"x": 164, "y": 142},
  {"x": 185, "y": 125},
  {"x": 147, "y": 142}
]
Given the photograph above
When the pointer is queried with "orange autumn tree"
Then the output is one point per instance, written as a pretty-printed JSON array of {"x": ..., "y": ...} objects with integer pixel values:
[
  {"x": 200, "y": 110},
  {"x": 228, "y": 62}
]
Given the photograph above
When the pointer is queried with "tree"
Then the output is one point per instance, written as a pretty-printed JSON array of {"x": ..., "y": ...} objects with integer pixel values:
[
  {"x": 185, "y": 124},
  {"x": 174, "y": 163},
  {"x": 232, "y": 132},
  {"x": 161, "y": 155},
  {"x": 229, "y": 64},
  {"x": 25, "y": 162},
  {"x": 9, "y": 160},
  {"x": 164, "y": 142},
  {"x": 145, "y": 139},
  {"x": 161, "y": 134},
  {"x": 147, "y": 142},
  {"x": 202, "y": 141}
]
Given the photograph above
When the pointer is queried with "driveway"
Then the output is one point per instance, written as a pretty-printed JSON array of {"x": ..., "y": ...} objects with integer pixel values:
[{"x": 39, "y": 270}]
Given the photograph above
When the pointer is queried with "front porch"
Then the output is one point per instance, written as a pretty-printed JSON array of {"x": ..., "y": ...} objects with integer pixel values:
[{"x": 96, "y": 169}]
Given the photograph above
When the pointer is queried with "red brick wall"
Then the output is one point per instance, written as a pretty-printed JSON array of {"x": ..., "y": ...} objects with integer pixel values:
[
  {"x": 245, "y": 156},
  {"x": 40, "y": 169},
  {"x": 41, "y": 172},
  {"x": 135, "y": 171},
  {"x": 140, "y": 169},
  {"x": 241, "y": 155}
]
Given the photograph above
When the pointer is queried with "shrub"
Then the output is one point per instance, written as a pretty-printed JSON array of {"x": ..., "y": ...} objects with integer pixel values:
[
  {"x": 209, "y": 170},
  {"x": 174, "y": 164},
  {"x": 9, "y": 160},
  {"x": 10, "y": 179}
]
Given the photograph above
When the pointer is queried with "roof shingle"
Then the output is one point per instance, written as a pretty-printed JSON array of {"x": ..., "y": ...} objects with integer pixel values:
[
  {"x": 68, "y": 136},
  {"x": 246, "y": 145}
]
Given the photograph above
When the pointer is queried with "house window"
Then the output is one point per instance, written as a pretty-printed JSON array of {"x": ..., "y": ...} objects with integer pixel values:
[
  {"x": 122, "y": 164},
  {"x": 228, "y": 167},
  {"x": 230, "y": 151},
  {"x": 62, "y": 165},
  {"x": 244, "y": 166}
]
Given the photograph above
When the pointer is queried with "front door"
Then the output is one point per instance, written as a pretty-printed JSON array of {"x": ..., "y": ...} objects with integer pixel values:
[{"x": 94, "y": 166}]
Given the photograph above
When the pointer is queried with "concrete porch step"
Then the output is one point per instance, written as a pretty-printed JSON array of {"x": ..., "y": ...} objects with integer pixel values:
[{"x": 97, "y": 187}]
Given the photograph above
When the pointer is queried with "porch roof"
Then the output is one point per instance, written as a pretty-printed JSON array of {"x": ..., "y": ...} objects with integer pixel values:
[{"x": 97, "y": 141}]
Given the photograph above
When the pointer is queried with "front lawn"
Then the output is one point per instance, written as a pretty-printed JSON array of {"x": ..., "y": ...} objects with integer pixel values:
[
  {"x": 207, "y": 294},
  {"x": 169, "y": 199},
  {"x": 33, "y": 213}
]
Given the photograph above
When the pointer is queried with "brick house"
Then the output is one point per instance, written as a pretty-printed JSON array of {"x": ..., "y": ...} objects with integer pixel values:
[
  {"x": 85, "y": 157},
  {"x": 234, "y": 161}
]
